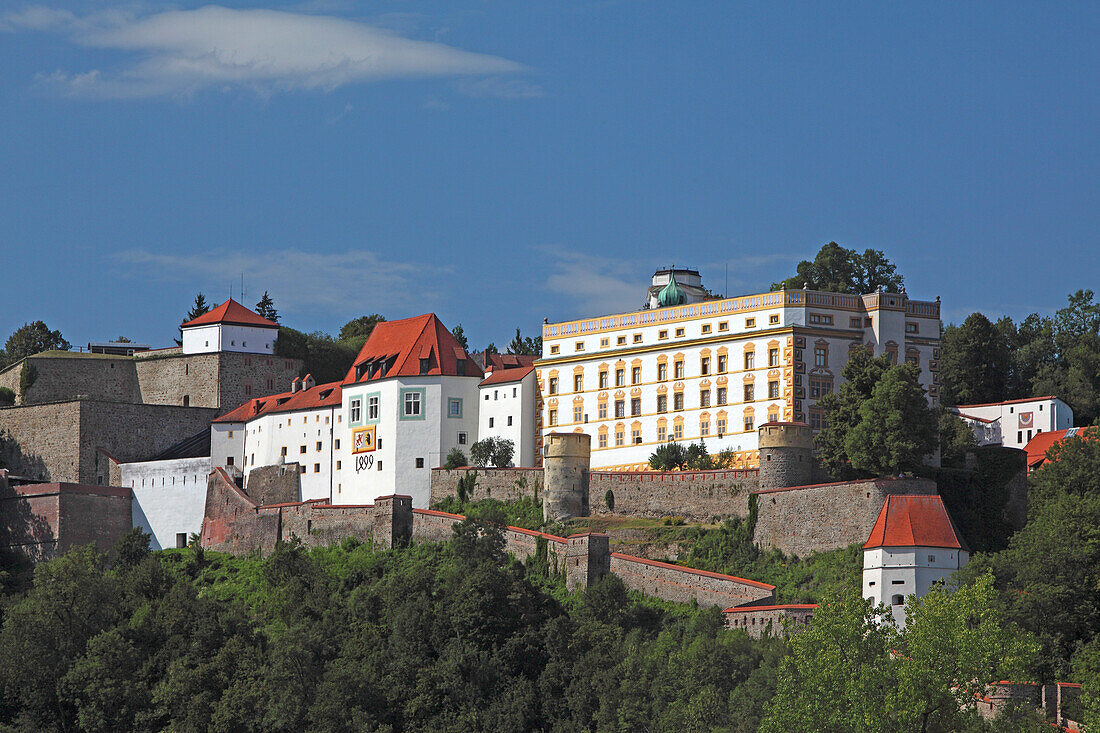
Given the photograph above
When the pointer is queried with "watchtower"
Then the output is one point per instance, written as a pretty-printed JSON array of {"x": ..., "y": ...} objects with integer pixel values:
[
  {"x": 587, "y": 559},
  {"x": 565, "y": 472},
  {"x": 786, "y": 455}
]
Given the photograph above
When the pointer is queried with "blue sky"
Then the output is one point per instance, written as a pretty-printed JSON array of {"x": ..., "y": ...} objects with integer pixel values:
[{"x": 502, "y": 162}]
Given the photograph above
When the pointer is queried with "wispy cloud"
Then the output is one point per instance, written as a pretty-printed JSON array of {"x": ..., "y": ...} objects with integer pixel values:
[
  {"x": 181, "y": 52},
  {"x": 591, "y": 284},
  {"x": 300, "y": 281}
]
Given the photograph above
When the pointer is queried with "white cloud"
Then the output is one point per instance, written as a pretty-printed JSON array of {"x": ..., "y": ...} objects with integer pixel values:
[
  {"x": 180, "y": 52},
  {"x": 594, "y": 285},
  {"x": 299, "y": 281}
]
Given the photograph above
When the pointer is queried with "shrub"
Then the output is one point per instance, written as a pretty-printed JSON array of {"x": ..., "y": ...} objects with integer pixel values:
[
  {"x": 456, "y": 459},
  {"x": 7, "y": 397},
  {"x": 609, "y": 497}
]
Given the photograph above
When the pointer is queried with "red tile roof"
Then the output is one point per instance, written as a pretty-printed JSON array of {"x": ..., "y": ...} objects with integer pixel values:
[
  {"x": 914, "y": 521},
  {"x": 395, "y": 348},
  {"x": 778, "y": 607},
  {"x": 502, "y": 376},
  {"x": 493, "y": 361},
  {"x": 319, "y": 396},
  {"x": 231, "y": 312},
  {"x": 1038, "y": 446}
]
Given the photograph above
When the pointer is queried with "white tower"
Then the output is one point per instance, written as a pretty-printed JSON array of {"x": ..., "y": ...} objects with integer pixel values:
[
  {"x": 229, "y": 327},
  {"x": 912, "y": 545}
]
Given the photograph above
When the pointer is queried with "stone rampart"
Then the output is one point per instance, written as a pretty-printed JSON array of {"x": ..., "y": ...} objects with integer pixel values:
[
  {"x": 506, "y": 484},
  {"x": 804, "y": 519},
  {"x": 694, "y": 495},
  {"x": 275, "y": 484},
  {"x": 80, "y": 376},
  {"x": 45, "y": 520},
  {"x": 764, "y": 620},
  {"x": 684, "y": 585}
]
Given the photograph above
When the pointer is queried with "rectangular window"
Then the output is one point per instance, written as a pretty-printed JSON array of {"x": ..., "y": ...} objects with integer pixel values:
[
  {"x": 706, "y": 328},
  {"x": 620, "y": 341},
  {"x": 721, "y": 395},
  {"x": 620, "y": 408},
  {"x": 579, "y": 346},
  {"x": 678, "y": 431},
  {"x": 662, "y": 403},
  {"x": 338, "y": 464},
  {"x": 603, "y": 380},
  {"x": 509, "y": 421},
  {"x": 619, "y": 436},
  {"x": 723, "y": 325},
  {"x": 603, "y": 343},
  {"x": 721, "y": 425},
  {"x": 372, "y": 407},
  {"x": 578, "y": 382},
  {"x": 454, "y": 407},
  {"x": 662, "y": 372},
  {"x": 636, "y": 375},
  {"x": 462, "y": 438},
  {"x": 912, "y": 328},
  {"x": 678, "y": 370},
  {"x": 553, "y": 385},
  {"x": 773, "y": 318},
  {"x": 636, "y": 436},
  {"x": 722, "y": 363},
  {"x": 854, "y": 322},
  {"x": 555, "y": 349},
  {"x": 748, "y": 423},
  {"x": 602, "y": 442},
  {"x": 821, "y": 319},
  {"x": 412, "y": 404},
  {"x": 635, "y": 406},
  {"x": 302, "y": 468},
  {"x": 637, "y": 338},
  {"x": 282, "y": 451},
  {"x": 750, "y": 323},
  {"x": 773, "y": 357},
  {"x": 601, "y": 411},
  {"x": 553, "y": 420},
  {"x": 868, "y": 322},
  {"x": 302, "y": 449},
  {"x": 620, "y": 377},
  {"x": 678, "y": 401},
  {"x": 750, "y": 359},
  {"x": 663, "y": 334},
  {"x": 704, "y": 398},
  {"x": 750, "y": 389},
  {"x": 662, "y": 433},
  {"x": 318, "y": 445},
  {"x": 491, "y": 422},
  {"x": 420, "y": 463},
  {"x": 679, "y": 333},
  {"x": 355, "y": 410},
  {"x": 704, "y": 365},
  {"x": 317, "y": 468},
  {"x": 821, "y": 356},
  {"x": 578, "y": 411},
  {"x": 704, "y": 427},
  {"x": 773, "y": 390}
]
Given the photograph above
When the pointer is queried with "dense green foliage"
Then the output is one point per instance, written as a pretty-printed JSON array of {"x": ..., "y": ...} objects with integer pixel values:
[
  {"x": 525, "y": 346},
  {"x": 492, "y": 451},
  {"x": 878, "y": 422},
  {"x": 7, "y": 397},
  {"x": 30, "y": 339},
  {"x": 956, "y": 440},
  {"x": 839, "y": 270},
  {"x": 325, "y": 357},
  {"x": 525, "y": 512},
  {"x": 851, "y": 669},
  {"x": 357, "y": 330},
  {"x": 1059, "y": 355},
  {"x": 446, "y": 637},
  {"x": 674, "y": 456},
  {"x": 456, "y": 459}
]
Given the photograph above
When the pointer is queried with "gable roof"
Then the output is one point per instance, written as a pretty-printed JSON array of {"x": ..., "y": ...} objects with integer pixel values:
[
  {"x": 1038, "y": 446},
  {"x": 914, "y": 521},
  {"x": 318, "y": 396},
  {"x": 493, "y": 361},
  {"x": 230, "y": 312},
  {"x": 395, "y": 348},
  {"x": 503, "y": 376}
]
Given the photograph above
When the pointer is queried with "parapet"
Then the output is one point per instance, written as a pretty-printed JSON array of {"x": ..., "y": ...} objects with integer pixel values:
[
  {"x": 786, "y": 435},
  {"x": 568, "y": 445}
]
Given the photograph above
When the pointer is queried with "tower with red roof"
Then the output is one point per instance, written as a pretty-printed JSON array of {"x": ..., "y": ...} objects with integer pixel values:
[
  {"x": 913, "y": 545},
  {"x": 229, "y": 327}
]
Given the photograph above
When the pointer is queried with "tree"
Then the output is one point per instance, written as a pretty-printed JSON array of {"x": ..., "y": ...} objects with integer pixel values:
[
  {"x": 841, "y": 411},
  {"x": 526, "y": 346},
  {"x": 668, "y": 457},
  {"x": 492, "y": 451},
  {"x": 357, "y": 330},
  {"x": 266, "y": 308},
  {"x": 456, "y": 459},
  {"x": 956, "y": 440},
  {"x": 30, "y": 339},
  {"x": 839, "y": 270},
  {"x": 698, "y": 459},
  {"x": 896, "y": 427},
  {"x": 199, "y": 308},
  {"x": 123, "y": 340},
  {"x": 460, "y": 336},
  {"x": 975, "y": 363}
]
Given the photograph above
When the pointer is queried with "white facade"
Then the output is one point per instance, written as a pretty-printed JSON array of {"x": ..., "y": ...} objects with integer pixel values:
[
  {"x": 227, "y": 444},
  {"x": 169, "y": 498},
  {"x": 414, "y": 422},
  {"x": 217, "y": 337},
  {"x": 714, "y": 371},
  {"x": 1015, "y": 422},
  {"x": 507, "y": 410},
  {"x": 892, "y": 574}
]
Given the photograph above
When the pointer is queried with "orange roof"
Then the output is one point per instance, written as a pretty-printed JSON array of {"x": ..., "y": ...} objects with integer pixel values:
[
  {"x": 494, "y": 361},
  {"x": 318, "y": 396},
  {"x": 914, "y": 521},
  {"x": 231, "y": 312},
  {"x": 1038, "y": 446},
  {"x": 396, "y": 348},
  {"x": 777, "y": 607},
  {"x": 501, "y": 376}
]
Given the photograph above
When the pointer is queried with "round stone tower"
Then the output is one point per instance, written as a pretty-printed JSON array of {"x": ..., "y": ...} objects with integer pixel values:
[
  {"x": 565, "y": 474},
  {"x": 786, "y": 455}
]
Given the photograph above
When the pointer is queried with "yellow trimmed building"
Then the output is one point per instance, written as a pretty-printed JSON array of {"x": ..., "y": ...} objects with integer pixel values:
[{"x": 717, "y": 369}]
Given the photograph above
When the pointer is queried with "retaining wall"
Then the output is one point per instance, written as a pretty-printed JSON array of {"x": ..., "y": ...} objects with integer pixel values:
[
  {"x": 506, "y": 484},
  {"x": 684, "y": 585},
  {"x": 694, "y": 495}
]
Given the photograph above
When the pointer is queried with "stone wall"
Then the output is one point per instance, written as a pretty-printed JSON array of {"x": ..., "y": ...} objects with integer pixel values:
[
  {"x": 45, "y": 520},
  {"x": 805, "y": 519},
  {"x": 694, "y": 495},
  {"x": 758, "y": 621},
  {"x": 276, "y": 484},
  {"x": 684, "y": 585},
  {"x": 80, "y": 376},
  {"x": 76, "y": 441},
  {"x": 10, "y": 378},
  {"x": 506, "y": 484}
]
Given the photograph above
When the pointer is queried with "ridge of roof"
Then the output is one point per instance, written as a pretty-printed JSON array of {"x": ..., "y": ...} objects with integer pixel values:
[
  {"x": 1010, "y": 402},
  {"x": 303, "y": 399},
  {"x": 502, "y": 376},
  {"x": 914, "y": 520},
  {"x": 230, "y": 312},
  {"x": 395, "y": 348}
]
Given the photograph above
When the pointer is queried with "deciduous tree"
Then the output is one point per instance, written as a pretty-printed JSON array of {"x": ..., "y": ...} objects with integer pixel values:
[
  {"x": 839, "y": 270},
  {"x": 30, "y": 339}
]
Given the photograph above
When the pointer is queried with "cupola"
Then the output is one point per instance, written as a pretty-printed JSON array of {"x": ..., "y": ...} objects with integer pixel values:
[{"x": 670, "y": 294}]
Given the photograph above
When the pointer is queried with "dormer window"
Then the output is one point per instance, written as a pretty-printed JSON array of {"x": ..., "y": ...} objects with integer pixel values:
[
  {"x": 425, "y": 365},
  {"x": 460, "y": 366}
]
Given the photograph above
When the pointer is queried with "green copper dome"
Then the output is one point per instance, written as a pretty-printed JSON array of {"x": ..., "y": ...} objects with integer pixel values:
[{"x": 670, "y": 294}]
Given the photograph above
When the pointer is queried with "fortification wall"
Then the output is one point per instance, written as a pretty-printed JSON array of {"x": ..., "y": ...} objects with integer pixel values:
[
  {"x": 45, "y": 520},
  {"x": 88, "y": 376},
  {"x": 694, "y": 495},
  {"x": 10, "y": 378},
  {"x": 30, "y": 521},
  {"x": 164, "y": 379},
  {"x": 244, "y": 376},
  {"x": 99, "y": 515},
  {"x": 804, "y": 519},
  {"x": 506, "y": 484},
  {"x": 684, "y": 585},
  {"x": 275, "y": 484},
  {"x": 758, "y": 621},
  {"x": 41, "y": 441}
]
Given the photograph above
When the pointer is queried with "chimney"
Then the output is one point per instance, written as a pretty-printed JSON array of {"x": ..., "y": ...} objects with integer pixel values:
[
  {"x": 308, "y": 383},
  {"x": 296, "y": 385}
]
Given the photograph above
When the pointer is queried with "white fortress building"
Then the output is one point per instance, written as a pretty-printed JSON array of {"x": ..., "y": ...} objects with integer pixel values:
[
  {"x": 229, "y": 327},
  {"x": 913, "y": 545},
  {"x": 716, "y": 369},
  {"x": 508, "y": 406},
  {"x": 1015, "y": 422}
]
